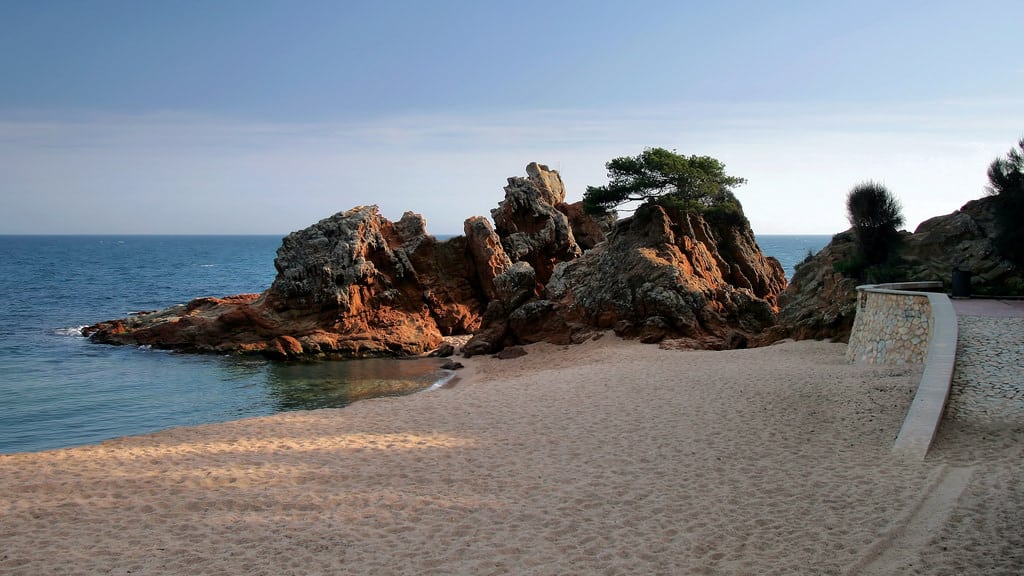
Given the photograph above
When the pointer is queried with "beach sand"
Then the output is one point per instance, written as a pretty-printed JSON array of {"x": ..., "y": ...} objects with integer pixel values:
[{"x": 609, "y": 457}]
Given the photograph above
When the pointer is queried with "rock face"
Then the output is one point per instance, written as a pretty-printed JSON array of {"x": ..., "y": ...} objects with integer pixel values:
[
  {"x": 660, "y": 275},
  {"x": 531, "y": 227},
  {"x": 962, "y": 240},
  {"x": 821, "y": 303},
  {"x": 356, "y": 284}
]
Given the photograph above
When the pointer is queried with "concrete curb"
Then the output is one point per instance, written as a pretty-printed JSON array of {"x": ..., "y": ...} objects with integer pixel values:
[{"x": 922, "y": 421}]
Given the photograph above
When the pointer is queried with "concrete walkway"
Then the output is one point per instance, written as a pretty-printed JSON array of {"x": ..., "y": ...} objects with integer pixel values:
[
  {"x": 988, "y": 378},
  {"x": 988, "y": 307}
]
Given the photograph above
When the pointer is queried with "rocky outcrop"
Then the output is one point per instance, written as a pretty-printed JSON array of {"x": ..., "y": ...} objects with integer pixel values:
[
  {"x": 353, "y": 285},
  {"x": 820, "y": 302},
  {"x": 588, "y": 230},
  {"x": 660, "y": 275},
  {"x": 964, "y": 240},
  {"x": 531, "y": 227},
  {"x": 486, "y": 254},
  {"x": 357, "y": 284}
]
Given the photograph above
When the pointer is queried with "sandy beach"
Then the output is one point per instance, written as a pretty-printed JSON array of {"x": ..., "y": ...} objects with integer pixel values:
[{"x": 609, "y": 457}]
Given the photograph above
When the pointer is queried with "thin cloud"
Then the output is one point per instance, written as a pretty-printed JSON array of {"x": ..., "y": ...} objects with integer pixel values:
[{"x": 799, "y": 161}]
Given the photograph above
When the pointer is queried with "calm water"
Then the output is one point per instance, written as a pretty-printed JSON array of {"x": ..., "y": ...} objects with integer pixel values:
[
  {"x": 58, "y": 389},
  {"x": 792, "y": 249}
]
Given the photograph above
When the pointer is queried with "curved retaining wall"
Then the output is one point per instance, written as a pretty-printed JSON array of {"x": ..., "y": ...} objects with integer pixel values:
[
  {"x": 892, "y": 324},
  {"x": 891, "y": 320}
]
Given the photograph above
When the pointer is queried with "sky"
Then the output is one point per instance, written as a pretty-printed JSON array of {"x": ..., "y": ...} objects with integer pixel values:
[{"x": 260, "y": 117}]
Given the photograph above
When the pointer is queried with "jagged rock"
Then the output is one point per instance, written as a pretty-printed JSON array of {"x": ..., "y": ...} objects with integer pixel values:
[
  {"x": 820, "y": 303},
  {"x": 386, "y": 288},
  {"x": 512, "y": 288},
  {"x": 964, "y": 240},
  {"x": 531, "y": 228},
  {"x": 516, "y": 285},
  {"x": 185, "y": 326},
  {"x": 654, "y": 330},
  {"x": 587, "y": 230},
  {"x": 452, "y": 365},
  {"x": 354, "y": 285},
  {"x": 444, "y": 350},
  {"x": 486, "y": 253},
  {"x": 707, "y": 342},
  {"x": 446, "y": 280},
  {"x": 742, "y": 262},
  {"x": 661, "y": 275},
  {"x": 539, "y": 321}
]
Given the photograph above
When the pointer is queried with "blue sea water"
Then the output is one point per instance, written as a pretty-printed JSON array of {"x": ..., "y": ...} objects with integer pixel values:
[
  {"x": 59, "y": 389},
  {"x": 791, "y": 249}
]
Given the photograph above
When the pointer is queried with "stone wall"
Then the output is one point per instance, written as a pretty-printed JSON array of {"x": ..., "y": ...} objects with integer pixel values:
[{"x": 893, "y": 324}]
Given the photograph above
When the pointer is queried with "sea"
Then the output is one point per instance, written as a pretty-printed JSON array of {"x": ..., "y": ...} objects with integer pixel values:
[{"x": 58, "y": 389}]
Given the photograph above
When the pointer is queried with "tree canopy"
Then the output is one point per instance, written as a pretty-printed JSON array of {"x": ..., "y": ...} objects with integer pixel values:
[{"x": 661, "y": 176}]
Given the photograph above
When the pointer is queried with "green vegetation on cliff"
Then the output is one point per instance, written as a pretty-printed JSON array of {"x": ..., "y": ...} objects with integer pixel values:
[
  {"x": 1006, "y": 183},
  {"x": 660, "y": 176},
  {"x": 875, "y": 215}
]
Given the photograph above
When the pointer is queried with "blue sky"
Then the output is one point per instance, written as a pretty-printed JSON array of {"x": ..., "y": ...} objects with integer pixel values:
[{"x": 264, "y": 117}]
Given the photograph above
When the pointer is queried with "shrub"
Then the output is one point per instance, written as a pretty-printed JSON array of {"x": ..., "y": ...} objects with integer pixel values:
[
  {"x": 852, "y": 267},
  {"x": 1006, "y": 183},
  {"x": 875, "y": 215}
]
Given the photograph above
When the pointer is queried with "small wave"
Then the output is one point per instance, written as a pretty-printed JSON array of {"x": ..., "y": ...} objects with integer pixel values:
[
  {"x": 443, "y": 381},
  {"x": 70, "y": 330},
  {"x": 146, "y": 347},
  {"x": 207, "y": 265}
]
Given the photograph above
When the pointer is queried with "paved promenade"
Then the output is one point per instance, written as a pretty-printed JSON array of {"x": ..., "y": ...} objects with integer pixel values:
[
  {"x": 975, "y": 529},
  {"x": 988, "y": 381}
]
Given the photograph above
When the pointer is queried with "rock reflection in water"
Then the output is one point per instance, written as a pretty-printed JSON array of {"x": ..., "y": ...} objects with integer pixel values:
[{"x": 333, "y": 384}]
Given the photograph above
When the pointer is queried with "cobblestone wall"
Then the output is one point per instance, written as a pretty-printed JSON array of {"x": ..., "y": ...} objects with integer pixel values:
[{"x": 891, "y": 326}]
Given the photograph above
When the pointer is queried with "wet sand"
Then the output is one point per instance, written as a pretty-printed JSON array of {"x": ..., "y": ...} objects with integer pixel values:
[{"x": 610, "y": 457}]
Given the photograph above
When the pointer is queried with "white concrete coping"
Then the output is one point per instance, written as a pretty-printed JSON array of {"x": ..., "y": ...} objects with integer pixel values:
[
  {"x": 922, "y": 420},
  {"x": 909, "y": 288}
]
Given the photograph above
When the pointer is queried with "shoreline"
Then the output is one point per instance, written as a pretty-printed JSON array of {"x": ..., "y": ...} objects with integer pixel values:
[
  {"x": 605, "y": 457},
  {"x": 389, "y": 382}
]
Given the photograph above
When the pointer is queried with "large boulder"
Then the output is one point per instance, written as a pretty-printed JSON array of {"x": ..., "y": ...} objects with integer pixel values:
[
  {"x": 486, "y": 253},
  {"x": 382, "y": 287},
  {"x": 531, "y": 227}
]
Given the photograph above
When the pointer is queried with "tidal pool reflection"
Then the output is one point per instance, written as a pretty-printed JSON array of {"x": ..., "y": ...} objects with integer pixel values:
[{"x": 333, "y": 384}]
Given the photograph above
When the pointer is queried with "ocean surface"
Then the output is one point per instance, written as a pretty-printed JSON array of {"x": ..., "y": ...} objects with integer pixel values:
[
  {"x": 792, "y": 249},
  {"x": 58, "y": 389}
]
